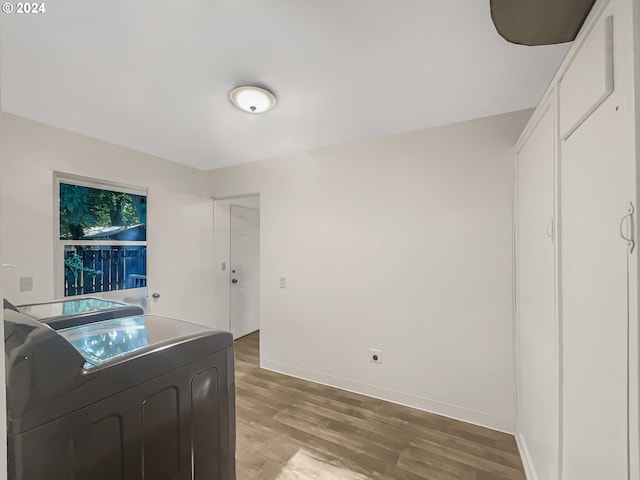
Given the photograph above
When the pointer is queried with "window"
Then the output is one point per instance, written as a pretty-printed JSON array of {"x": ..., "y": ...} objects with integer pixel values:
[{"x": 101, "y": 236}]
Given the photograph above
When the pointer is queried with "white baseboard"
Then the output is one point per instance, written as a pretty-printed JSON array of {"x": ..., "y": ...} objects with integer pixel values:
[
  {"x": 456, "y": 412},
  {"x": 526, "y": 458}
]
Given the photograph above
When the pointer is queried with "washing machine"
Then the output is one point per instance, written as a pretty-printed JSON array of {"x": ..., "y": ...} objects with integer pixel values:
[
  {"x": 78, "y": 311},
  {"x": 130, "y": 398}
]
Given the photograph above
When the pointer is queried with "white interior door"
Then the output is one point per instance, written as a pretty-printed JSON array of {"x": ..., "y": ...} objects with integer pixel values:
[
  {"x": 596, "y": 164},
  {"x": 538, "y": 364},
  {"x": 244, "y": 294},
  {"x": 180, "y": 255}
]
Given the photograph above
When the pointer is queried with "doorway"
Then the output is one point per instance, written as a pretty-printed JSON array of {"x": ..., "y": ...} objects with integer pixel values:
[
  {"x": 237, "y": 253},
  {"x": 244, "y": 261}
]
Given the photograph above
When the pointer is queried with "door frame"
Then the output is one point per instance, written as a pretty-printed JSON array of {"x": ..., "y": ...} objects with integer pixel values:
[{"x": 222, "y": 252}]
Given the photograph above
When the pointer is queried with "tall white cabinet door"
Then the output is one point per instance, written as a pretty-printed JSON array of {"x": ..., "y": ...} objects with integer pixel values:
[
  {"x": 595, "y": 165},
  {"x": 536, "y": 337}
]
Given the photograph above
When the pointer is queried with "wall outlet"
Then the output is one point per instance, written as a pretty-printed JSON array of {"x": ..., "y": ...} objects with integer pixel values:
[
  {"x": 26, "y": 284},
  {"x": 283, "y": 282},
  {"x": 375, "y": 356}
]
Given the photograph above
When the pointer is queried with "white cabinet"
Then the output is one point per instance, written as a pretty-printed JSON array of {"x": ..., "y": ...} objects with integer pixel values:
[
  {"x": 595, "y": 163},
  {"x": 577, "y": 360},
  {"x": 536, "y": 333}
]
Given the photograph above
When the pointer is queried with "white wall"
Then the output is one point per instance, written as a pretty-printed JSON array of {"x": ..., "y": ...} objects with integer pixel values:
[
  {"x": 222, "y": 254},
  {"x": 3, "y": 398},
  {"x": 402, "y": 244},
  {"x": 29, "y": 154}
]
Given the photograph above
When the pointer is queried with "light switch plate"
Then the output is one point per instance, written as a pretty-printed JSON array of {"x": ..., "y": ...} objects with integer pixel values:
[
  {"x": 283, "y": 282},
  {"x": 26, "y": 284}
]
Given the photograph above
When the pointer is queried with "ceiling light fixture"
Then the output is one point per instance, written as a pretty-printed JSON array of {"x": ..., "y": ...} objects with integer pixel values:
[{"x": 252, "y": 99}]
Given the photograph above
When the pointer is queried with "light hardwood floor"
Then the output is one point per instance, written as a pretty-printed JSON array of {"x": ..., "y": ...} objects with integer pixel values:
[{"x": 291, "y": 429}]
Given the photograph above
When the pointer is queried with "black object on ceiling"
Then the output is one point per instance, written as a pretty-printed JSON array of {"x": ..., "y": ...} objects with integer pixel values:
[{"x": 539, "y": 22}]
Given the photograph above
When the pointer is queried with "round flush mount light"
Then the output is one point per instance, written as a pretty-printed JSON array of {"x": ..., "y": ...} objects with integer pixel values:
[{"x": 252, "y": 99}]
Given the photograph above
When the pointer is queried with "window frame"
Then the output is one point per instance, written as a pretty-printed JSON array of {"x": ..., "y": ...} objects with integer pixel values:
[{"x": 59, "y": 244}]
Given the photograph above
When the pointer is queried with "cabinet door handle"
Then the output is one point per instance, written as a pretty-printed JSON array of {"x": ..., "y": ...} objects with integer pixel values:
[
  {"x": 630, "y": 240},
  {"x": 550, "y": 229}
]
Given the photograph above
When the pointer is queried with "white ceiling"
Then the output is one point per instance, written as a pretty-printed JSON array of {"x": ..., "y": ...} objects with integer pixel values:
[{"x": 154, "y": 75}]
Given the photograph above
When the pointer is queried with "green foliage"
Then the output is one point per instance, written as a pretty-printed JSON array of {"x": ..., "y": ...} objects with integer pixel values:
[
  {"x": 75, "y": 211},
  {"x": 85, "y": 207},
  {"x": 74, "y": 265}
]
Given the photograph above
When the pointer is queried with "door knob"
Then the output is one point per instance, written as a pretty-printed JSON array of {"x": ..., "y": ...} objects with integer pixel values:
[
  {"x": 156, "y": 296},
  {"x": 235, "y": 280}
]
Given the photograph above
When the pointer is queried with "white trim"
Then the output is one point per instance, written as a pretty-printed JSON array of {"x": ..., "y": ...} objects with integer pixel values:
[
  {"x": 457, "y": 412},
  {"x": 71, "y": 179},
  {"x": 535, "y": 119},
  {"x": 234, "y": 197},
  {"x": 106, "y": 243},
  {"x": 557, "y": 233},
  {"x": 634, "y": 327},
  {"x": 609, "y": 81},
  {"x": 59, "y": 244},
  {"x": 529, "y": 470},
  {"x": 515, "y": 291}
]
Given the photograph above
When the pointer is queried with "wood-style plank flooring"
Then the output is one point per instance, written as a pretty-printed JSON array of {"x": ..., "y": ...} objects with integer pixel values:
[{"x": 291, "y": 429}]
